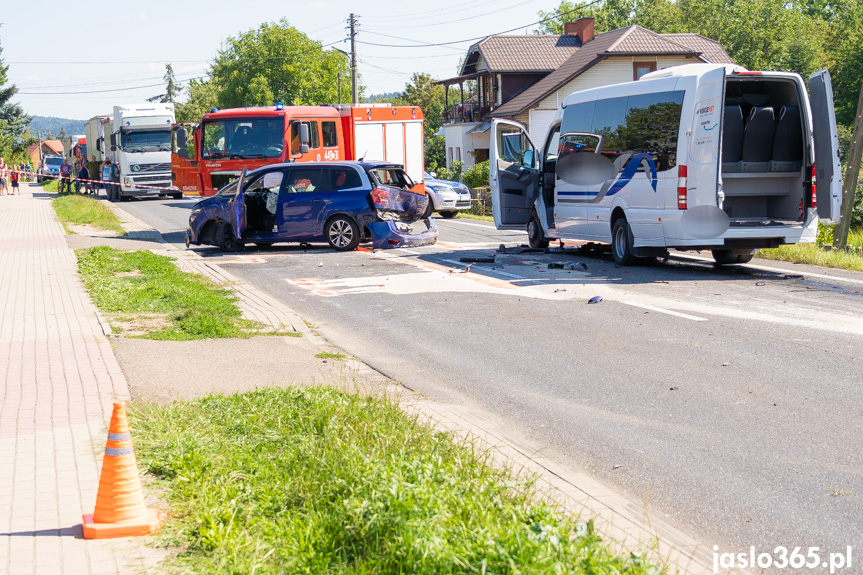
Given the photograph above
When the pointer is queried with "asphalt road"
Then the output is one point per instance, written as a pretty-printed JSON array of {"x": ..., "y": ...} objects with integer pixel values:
[{"x": 730, "y": 399}]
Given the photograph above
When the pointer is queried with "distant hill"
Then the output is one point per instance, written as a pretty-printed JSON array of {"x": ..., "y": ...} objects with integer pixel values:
[
  {"x": 49, "y": 125},
  {"x": 388, "y": 97}
]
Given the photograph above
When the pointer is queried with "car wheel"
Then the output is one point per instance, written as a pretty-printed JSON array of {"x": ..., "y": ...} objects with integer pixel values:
[
  {"x": 225, "y": 238},
  {"x": 448, "y": 215},
  {"x": 535, "y": 237},
  {"x": 621, "y": 243},
  {"x": 727, "y": 257},
  {"x": 342, "y": 234},
  {"x": 429, "y": 209}
]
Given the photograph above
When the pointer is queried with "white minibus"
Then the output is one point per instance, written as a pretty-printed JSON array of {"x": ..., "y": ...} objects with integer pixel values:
[{"x": 693, "y": 157}]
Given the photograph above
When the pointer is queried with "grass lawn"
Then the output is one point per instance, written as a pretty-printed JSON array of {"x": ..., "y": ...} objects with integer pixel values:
[
  {"x": 317, "y": 481},
  {"x": 79, "y": 209},
  {"x": 818, "y": 256},
  {"x": 464, "y": 214},
  {"x": 148, "y": 296}
]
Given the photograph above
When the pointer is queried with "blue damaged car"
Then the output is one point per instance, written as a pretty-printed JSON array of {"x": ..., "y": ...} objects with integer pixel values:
[{"x": 342, "y": 203}]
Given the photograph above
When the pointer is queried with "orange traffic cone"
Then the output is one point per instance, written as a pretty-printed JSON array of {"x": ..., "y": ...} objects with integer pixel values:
[{"x": 120, "y": 509}]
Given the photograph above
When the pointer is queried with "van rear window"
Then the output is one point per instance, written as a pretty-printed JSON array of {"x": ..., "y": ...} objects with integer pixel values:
[{"x": 641, "y": 124}]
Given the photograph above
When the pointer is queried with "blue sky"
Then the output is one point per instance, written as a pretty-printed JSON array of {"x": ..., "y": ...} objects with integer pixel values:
[{"x": 77, "y": 60}]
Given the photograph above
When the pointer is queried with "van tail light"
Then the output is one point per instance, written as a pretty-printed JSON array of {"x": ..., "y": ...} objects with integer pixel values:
[
  {"x": 681, "y": 187},
  {"x": 380, "y": 197},
  {"x": 814, "y": 202}
]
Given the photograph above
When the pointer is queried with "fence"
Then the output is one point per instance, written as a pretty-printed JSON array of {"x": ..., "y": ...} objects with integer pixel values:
[{"x": 481, "y": 201}]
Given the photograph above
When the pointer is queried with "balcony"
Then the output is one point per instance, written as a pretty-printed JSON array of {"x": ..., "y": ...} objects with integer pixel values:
[{"x": 467, "y": 112}]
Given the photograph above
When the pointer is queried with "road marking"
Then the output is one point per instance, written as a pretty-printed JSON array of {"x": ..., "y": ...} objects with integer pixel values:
[
  {"x": 485, "y": 269},
  {"x": 780, "y": 270},
  {"x": 662, "y": 310},
  {"x": 487, "y": 227}
]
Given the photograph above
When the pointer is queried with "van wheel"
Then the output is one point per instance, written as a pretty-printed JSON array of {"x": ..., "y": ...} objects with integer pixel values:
[
  {"x": 535, "y": 237},
  {"x": 342, "y": 234},
  {"x": 621, "y": 243},
  {"x": 727, "y": 257},
  {"x": 225, "y": 238}
]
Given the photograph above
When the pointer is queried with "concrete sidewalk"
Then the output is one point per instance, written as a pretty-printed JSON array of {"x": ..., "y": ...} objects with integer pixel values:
[{"x": 58, "y": 379}]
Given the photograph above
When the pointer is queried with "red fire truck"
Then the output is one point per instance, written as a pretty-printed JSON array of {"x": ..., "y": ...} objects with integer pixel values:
[{"x": 207, "y": 155}]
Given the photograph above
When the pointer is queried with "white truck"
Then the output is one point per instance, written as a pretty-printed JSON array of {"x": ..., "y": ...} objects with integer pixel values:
[{"x": 139, "y": 142}]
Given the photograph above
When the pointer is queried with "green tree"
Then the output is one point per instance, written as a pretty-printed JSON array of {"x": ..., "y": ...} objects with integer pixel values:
[
  {"x": 171, "y": 88},
  {"x": 274, "y": 63},
  {"x": 203, "y": 95},
  {"x": 13, "y": 120}
]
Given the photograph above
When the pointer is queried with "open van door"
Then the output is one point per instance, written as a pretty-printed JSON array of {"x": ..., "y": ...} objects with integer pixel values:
[
  {"x": 705, "y": 141},
  {"x": 514, "y": 174},
  {"x": 828, "y": 170}
]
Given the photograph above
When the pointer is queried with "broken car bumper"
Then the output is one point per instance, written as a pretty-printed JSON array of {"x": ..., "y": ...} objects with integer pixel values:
[{"x": 393, "y": 234}]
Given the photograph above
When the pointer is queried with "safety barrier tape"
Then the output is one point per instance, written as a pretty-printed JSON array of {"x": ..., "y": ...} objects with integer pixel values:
[{"x": 103, "y": 182}]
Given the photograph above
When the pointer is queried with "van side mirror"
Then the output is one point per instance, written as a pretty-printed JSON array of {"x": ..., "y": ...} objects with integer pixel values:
[
  {"x": 527, "y": 159},
  {"x": 304, "y": 138}
]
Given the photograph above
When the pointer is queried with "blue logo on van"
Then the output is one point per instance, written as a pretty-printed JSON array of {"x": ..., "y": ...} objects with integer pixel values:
[{"x": 629, "y": 172}]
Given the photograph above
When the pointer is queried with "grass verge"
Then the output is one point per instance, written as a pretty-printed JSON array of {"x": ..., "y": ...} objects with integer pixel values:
[
  {"x": 318, "y": 481},
  {"x": 466, "y": 215},
  {"x": 163, "y": 302},
  {"x": 814, "y": 255},
  {"x": 78, "y": 209},
  {"x": 51, "y": 185}
]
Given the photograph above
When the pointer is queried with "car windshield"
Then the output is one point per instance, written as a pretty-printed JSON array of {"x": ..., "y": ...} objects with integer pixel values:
[
  {"x": 244, "y": 138},
  {"x": 154, "y": 141},
  {"x": 53, "y": 161}
]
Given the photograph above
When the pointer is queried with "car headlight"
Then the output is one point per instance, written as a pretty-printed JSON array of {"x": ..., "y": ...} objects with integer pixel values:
[{"x": 441, "y": 189}]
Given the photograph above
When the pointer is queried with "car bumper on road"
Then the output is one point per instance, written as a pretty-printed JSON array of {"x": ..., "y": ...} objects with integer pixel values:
[{"x": 392, "y": 234}]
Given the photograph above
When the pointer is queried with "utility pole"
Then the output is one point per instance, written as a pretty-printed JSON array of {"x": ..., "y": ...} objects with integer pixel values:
[
  {"x": 849, "y": 186},
  {"x": 353, "y": 22}
]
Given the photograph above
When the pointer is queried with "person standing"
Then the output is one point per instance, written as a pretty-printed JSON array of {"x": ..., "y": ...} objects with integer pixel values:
[
  {"x": 106, "y": 178},
  {"x": 2, "y": 177},
  {"x": 65, "y": 172},
  {"x": 95, "y": 174},
  {"x": 115, "y": 177},
  {"x": 13, "y": 177}
]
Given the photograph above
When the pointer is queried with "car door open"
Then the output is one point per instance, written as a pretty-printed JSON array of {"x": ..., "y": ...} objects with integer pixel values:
[{"x": 513, "y": 174}]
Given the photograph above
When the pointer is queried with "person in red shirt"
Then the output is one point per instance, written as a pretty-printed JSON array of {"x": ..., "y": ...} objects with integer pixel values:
[{"x": 14, "y": 180}]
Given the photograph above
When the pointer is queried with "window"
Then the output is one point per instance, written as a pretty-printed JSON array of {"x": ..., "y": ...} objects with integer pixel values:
[
  {"x": 314, "y": 141},
  {"x": 345, "y": 179},
  {"x": 639, "y": 69},
  {"x": 392, "y": 177},
  {"x": 631, "y": 125},
  {"x": 513, "y": 146},
  {"x": 303, "y": 180},
  {"x": 269, "y": 182},
  {"x": 331, "y": 139}
]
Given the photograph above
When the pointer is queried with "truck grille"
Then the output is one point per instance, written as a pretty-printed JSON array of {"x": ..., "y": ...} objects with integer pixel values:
[
  {"x": 162, "y": 180},
  {"x": 151, "y": 168}
]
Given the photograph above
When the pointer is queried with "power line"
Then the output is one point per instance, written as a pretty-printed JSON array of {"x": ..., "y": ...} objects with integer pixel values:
[
  {"x": 425, "y": 44},
  {"x": 434, "y": 24},
  {"x": 161, "y": 84}
]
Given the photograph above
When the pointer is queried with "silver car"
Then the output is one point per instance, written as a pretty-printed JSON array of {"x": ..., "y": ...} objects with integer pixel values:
[{"x": 447, "y": 197}]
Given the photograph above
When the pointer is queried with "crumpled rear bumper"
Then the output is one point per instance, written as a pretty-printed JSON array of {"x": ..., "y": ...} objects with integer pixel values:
[{"x": 393, "y": 234}]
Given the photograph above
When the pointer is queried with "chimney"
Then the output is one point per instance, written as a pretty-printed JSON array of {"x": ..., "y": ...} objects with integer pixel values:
[{"x": 583, "y": 28}]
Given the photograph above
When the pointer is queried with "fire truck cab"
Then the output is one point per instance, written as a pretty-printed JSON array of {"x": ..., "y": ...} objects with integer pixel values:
[{"x": 208, "y": 155}]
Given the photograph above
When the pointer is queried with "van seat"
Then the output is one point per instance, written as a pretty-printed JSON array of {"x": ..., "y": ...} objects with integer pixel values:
[
  {"x": 732, "y": 139},
  {"x": 788, "y": 143},
  {"x": 758, "y": 140}
]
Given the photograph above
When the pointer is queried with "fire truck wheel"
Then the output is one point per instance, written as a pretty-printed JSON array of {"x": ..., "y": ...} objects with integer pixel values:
[
  {"x": 177, "y": 196},
  {"x": 342, "y": 234}
]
